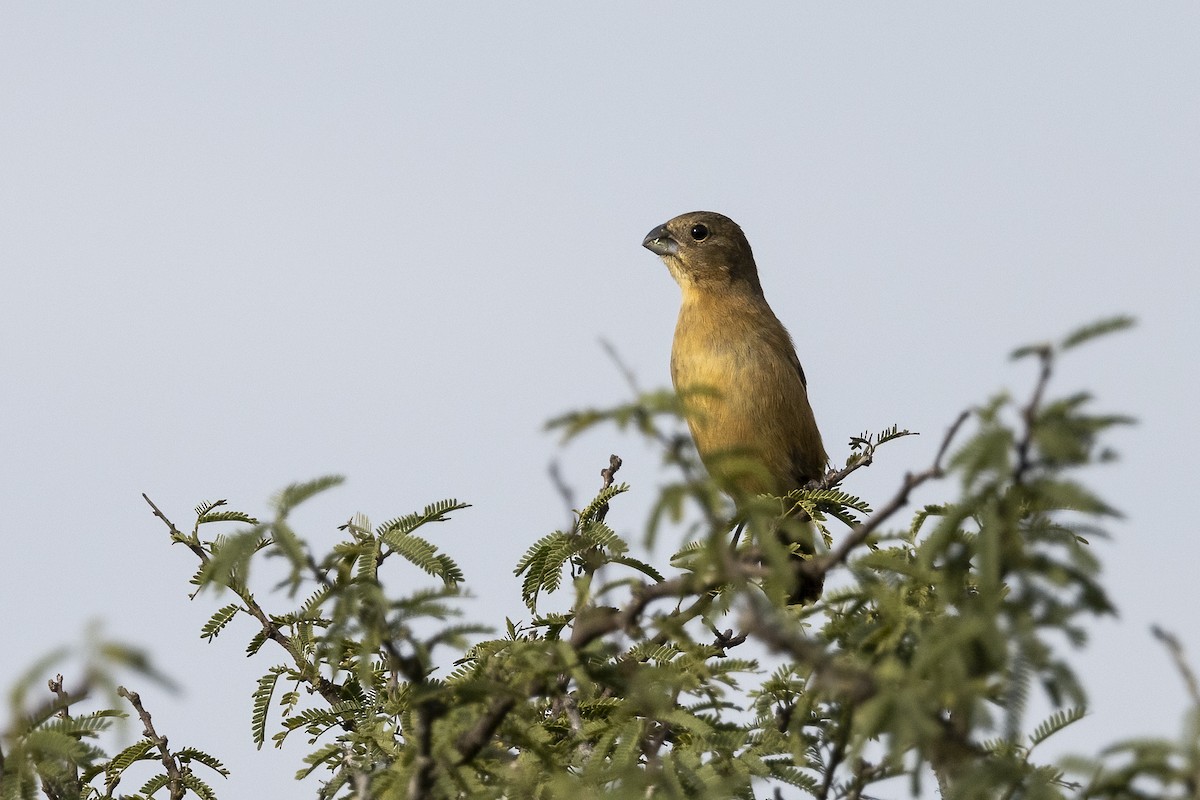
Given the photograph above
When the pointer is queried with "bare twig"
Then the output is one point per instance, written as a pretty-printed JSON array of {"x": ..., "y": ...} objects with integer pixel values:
[
  {"x": 1029, "y": 414},
  {"x": 471, "y": 741},
  {"x": 726, "y": 639},
  {"x": 1176, "y": 650},
  {"x": 193, "y": 545},
  {"x": 836, "y": 476},
  {"x": 174, "y": 778},
  {"x": 56, "y": 707},
  {"x": 563, "y": 488},
  {"x": 835, "y": 757},
  {"x": 626, "y": 372},
  {"x": 64, "y": 698},
  {"x": 614, "y": 464}
]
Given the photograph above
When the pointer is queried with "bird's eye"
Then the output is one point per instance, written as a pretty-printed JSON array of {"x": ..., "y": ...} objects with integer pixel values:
[{"x": 699, "y": 232}]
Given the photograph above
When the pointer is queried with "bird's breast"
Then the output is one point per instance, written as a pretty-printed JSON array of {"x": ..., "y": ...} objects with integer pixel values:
[{"x": 736, "y": 370}]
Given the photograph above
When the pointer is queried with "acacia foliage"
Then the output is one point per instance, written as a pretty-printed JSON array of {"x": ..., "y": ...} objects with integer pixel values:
[{"x": 691, "y": 678}]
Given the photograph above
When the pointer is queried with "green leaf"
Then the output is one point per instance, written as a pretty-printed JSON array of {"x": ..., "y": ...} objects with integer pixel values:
[
  {"x": 434, "y": 512},
  {"x": 640, "y": 566},
  {"x": 602, "y": 498},
  {"x": 131, "y": 755},
  {"x": 326, "y": 755},
  {"x": 262, "y": 704},
  {"x": 1055, "y": 723},
  {"x": 201, "y": 757},
  {"x": 217, "y": 622},
  {"x": 1096, "y": 329},
  {"x": 225, "y": 516},
  {"x": 193, "y": 782},
  {"x": 231, "y": 555},
  {"x": 424, "y": 555},
  {"x": 297, "y": 493}
]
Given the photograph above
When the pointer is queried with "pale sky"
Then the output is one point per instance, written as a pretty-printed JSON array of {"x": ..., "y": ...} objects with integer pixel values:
[{"x": 247, "y": 244}]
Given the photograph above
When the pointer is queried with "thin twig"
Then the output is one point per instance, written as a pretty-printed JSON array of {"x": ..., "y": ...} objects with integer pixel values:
[
  {"x": 421, "y": 782},
  {"x": 817, "y": 567},
  {"x": 594, "y": 622},
  {"x": 174, "y": 778},
  {"x": 1029, "y": 413},
  {"x": 836, "y": 757},
  {"x": 863, "y": 459},
  {"x": 563, "y": 488},
  {"x": 50, "y": 708},
  {"x": 836, "y": 476},
  {"x": 1176, "y": 650},
  {"x": 64, "y": 698},
  {"x": 614, "y": 464},
  {"x": 779, "y": 633},
  {"x": 193, "y": 545},
  {"x": 726, "y": 639},
  {"x": 329, "y": 690},
  {"x": 622, "y": 367}
]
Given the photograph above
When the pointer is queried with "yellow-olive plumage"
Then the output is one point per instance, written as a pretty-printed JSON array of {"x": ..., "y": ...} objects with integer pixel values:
[{"x": 733, "y": 362}]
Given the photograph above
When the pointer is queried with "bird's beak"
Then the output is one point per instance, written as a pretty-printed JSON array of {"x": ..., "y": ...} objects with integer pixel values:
[{"x": 659, "y": 242}]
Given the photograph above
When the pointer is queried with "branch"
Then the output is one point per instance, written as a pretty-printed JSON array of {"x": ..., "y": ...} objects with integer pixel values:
[
  {"x": 864, "y": 459},
  {"x": 421, "y": 782},
  {"x": 725, "y": 639},
  {"x": 595, "y": 621},
  {"x": 58, "y": 706},
  {"x": 64, "y": 697},
  {"x": 470, "y": 742},
  {"x": 816, "y": 568},
  {"x": 175, "y": 784},
  {"x": 1029, "y": 414},
  {"x": 837, "y": 675},
  {"x": 836, "y": 476},
  {"x": 63, "y": 701},
  {"x": 330, "y": 691},
  {"x": 564, "y": 490},
  {"x": 614, "y": 464},
  {"x": 837, "y": 756},
  {"x": 193, "y": 545},
  {"x": 1176, "y": 650}
]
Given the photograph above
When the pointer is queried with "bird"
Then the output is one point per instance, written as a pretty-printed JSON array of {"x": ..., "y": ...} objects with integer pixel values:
[{"x": 744, "y": 392}]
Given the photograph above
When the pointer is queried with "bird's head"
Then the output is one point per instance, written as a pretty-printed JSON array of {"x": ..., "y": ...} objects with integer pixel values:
[{"x": 704, "y": 249}]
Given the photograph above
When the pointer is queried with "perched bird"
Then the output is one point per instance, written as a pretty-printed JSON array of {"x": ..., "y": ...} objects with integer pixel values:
[{"x": 734, "y": 364}]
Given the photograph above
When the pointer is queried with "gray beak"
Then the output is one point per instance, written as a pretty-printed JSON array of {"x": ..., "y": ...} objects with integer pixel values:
[{"x": 659, "y": 242}]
